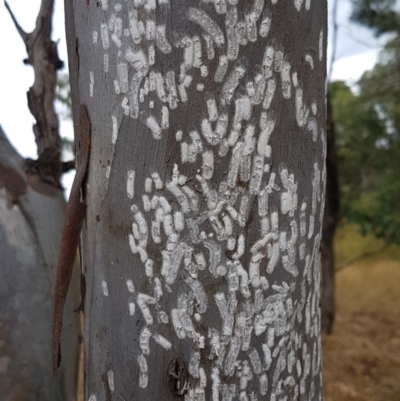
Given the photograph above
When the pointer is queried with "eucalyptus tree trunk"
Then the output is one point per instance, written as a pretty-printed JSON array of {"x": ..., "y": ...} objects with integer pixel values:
[
  {"x": 32, "y": 209},
  {"x": 205, "y": 193},
  {"x": 31, "y": 221}
]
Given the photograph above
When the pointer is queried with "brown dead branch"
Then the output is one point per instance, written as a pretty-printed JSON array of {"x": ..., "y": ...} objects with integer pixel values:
[{"x": 43, "y": 57}]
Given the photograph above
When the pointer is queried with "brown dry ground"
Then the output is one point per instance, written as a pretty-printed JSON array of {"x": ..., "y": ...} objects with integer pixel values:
[{"x": 362, "y": 357}]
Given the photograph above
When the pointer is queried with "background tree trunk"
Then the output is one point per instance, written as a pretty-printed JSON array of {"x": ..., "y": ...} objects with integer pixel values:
[
  {"x": 31, "y": 220},
  {"x": 204, "y": 197},
  {"x": 331, "y": 216}
]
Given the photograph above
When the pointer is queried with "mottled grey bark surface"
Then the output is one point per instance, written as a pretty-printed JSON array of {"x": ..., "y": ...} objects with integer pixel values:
[
  {"x": 31, "y": 220},
  {"x": 201, "y": 247}
]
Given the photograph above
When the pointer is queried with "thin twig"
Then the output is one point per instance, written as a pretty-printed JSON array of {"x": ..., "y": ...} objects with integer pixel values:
[
  {"x": 67, "y": 166},
  {"x": 334, "y": 38},
  {"x": 22, "y": 33},
  {"x": 360, "y": 41},
  {"x": 357, "y": 258}
]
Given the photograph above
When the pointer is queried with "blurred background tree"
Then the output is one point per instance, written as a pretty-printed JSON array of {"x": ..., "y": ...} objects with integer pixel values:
[
  {"x": 379, "y": 15},
  {"x": 367, "y": 131},
  {"x": 361, "y": 355},
  {"x": 64, "y": 107},
  {"x": 363, "y": 167},
  {"x": 367, "y": 146},
  {"x": 375, "y": 207}
]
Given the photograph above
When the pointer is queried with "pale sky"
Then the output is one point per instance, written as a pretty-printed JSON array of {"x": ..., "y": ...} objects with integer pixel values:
[{"x": 357, "y": 51}]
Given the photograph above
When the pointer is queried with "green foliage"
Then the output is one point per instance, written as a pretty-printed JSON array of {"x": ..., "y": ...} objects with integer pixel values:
[
  {"x": 379, "y": 15},
  {"x": 368, "y": 131},
  {"x": 377, "y": 212},
  {"x": 64, "y": 107},
  {"x": 358, "y": 128},
  {"x": 368, "y": 146},
  {"x": 382, "y": 84},
  {"x": 63, "y": 95},
  {"x": 67, "y": 145}
]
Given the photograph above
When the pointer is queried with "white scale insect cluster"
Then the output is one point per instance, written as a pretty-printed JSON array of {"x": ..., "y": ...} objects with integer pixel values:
[{"x": 195, "y": 222}]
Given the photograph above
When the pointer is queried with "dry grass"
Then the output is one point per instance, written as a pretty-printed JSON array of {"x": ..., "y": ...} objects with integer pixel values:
[{"x": 362, "y": 356}]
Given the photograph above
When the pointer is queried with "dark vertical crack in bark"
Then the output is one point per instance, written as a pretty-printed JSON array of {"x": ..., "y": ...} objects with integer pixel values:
[{"x": 331, "y": 216}]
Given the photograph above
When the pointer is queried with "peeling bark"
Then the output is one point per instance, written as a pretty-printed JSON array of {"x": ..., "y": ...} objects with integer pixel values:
[{"x": 205, "y": 196}]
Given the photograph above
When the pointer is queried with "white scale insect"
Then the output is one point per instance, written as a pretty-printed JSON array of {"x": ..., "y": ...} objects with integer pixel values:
[
  {"x": 222, "y": 68},
  {"x": 161, "y": 40},
  {"x": 162, "y": 341},
  {"x": 231, "y": 83},
  {"x": 232, "y": 40},
  {"x": 91, "y": 88},
  {"x": 209, "y": 25},
  {"x": 143, "y": 376},
  {"x": 265, "y": 24},
  {"x": 130, "y": 184}
]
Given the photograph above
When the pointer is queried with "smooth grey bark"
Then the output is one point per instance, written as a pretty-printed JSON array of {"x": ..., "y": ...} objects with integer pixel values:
[
  {"x": 31, "y": 220},
  {"x": 201, "y": 247}
]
